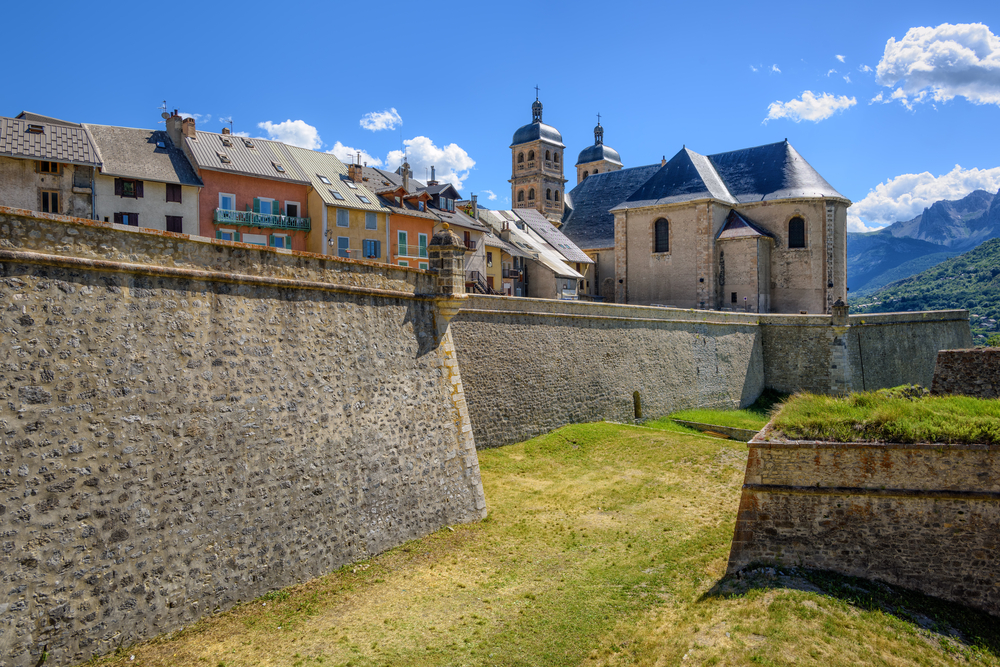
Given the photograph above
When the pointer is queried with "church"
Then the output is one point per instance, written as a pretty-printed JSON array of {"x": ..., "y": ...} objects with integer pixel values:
[{"x": 751, "y": 230}]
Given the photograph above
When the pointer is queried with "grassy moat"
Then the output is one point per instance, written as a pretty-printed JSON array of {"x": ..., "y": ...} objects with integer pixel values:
[{"x": 605, "y": 545}]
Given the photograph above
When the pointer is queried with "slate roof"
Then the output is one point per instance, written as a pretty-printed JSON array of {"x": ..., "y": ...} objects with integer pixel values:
[
  {"x": 460, "y": 219},
  {"x": 599, "y": 152},
  {"x": 738, "y": 227},
  {"x": 541, "y": 226},
  {"x": 535, "y": 131},
  {"x": 406, "y": 208},
  {"x": 762, "y": 173},
  {"x": 256, "y": 161},
  {"x": 57, "y": 142},
  {"x": 589, "y": 222},
  {"x": 135, "y": 153},
  {"x": 439, "y": 188},
  {"x": 315, "y": 164}
]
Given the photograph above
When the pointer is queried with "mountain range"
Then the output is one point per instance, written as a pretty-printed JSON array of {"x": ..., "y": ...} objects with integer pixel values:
[{"x": 943, "y": 230}]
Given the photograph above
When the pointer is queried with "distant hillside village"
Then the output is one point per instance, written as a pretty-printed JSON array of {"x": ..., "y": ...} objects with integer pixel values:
[{"x": 752, "y": 230}]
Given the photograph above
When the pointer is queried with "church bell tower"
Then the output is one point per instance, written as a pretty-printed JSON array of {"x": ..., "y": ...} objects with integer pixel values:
[{"x": 536, "y": 179}]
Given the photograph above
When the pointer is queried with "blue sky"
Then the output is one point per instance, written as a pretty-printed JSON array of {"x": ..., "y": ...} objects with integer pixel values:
[{"x": 460, "y": 78}]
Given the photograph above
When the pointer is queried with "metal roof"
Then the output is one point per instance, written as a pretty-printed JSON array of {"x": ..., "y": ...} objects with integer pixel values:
[
  {"x": 541, "y": 226},
  {"x": 535, "y": 131},
  {"x": 599, "y": 152},
  {"x": 589, "y": 223},
  {"x": 32, "y": 117},
  {"x": 687, "y": 176},
  {"x": 773, "y": 171},
  {"x": 315, "y": 164},
  {"x": 738, "y": 227},
  {"x": 509, "y": 248},
  {"x": 135, "y": 153},
  {"x": 460, "y": 219},
  {"x": 540, "y": 251},
  {"x": 258, "y": 160},
  {"x": 57, "y": 142}
]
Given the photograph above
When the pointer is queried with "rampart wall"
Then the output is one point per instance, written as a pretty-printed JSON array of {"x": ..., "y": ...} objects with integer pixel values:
[
  {"x": 972, "y": 372},
  {"x": 925, "y": 517},
  {"x": 188, "y": 423}
]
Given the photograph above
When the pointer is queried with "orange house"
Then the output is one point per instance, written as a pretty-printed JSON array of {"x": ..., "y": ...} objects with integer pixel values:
[
  {"x": 254, "y": 192},
  {"x": 411, "y": 225}
]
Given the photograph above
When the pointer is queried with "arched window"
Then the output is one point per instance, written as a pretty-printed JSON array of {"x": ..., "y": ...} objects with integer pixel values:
[
  {"x": 595, "y": 171},
  {"x": 556, "y": 195},
  {"x": 520, "y": 158},
  {"x": 556, "y": 157},
  {"x": 548, "y": 193},
  {"x": 796, "y": 233},
  {"x": 586, "y": 174},
  {"x": 661, "y": 236},
  {"x": 548, "y": 155},
  {"x": 531, "y": 155},
  {"x": 520, "y": 195},
  {"x": 531, "y": 194}
]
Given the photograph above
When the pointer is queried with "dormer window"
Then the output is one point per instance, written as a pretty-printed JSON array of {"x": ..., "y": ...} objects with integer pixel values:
[
  {"x": 337, "y": 195},
  {"x": 323, "y": 179},
  {"x": 364, "y": 199},
  {"x": 248, "y": 143},
  {"x": 351, "y": 185},
  {"x": 278, "y": 167},
  {"x": 226, "y": 141},
  {"x": 223, "y": 158},
  {"x": 35, "y": 129}
]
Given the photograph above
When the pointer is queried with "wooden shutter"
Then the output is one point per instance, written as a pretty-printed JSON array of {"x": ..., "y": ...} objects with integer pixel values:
[
  {"x": 119, "y": 189},
  {"x": 378, "y": 249},
  {"x": 133, "y": 219},
  {"x": 236, "y": 236},
  {"x": 118, "y": 218},
  {"x": 218, "y": 234},
  {"x": 256, "y": 204},
  {"x": 138, "y": 189},
  {"x": 273, "y": 241}
]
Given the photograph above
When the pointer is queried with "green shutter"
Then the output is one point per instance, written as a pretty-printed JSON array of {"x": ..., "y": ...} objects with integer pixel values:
[
  {"x": 236, "y": 236},
  {"x": 218, "y": 234},
  {"x": 273, "y": 243},
  {"x": 278, "y": 210},
  {"x": 256, "y": 204}
]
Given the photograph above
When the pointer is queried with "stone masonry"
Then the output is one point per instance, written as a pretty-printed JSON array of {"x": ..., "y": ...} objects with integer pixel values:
[
  {"x": 974, "y": 372},
  {"x": 188, "y": 424}
]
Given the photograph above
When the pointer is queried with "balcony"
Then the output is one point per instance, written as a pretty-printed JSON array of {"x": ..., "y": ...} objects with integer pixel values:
[
  {"x": 406, "y": 250},
  {"x": 262, "y": 220},
  {"x": 513, "y": 274},
  {"x": 471, "y": 245}
]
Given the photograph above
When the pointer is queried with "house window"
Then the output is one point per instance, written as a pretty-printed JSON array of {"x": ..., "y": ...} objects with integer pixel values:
[
  {"x": 420, "y": 206},
  {"x": 174, "y": 192},
  {"x": 130, "y": 219},
  {"x": 343, "y": 217},
  {"x": 351, "y": 185},
  {"x": 520, "y": 158},
  {"x": 337, "y": 195},
  {"x": 422, "y": 245},
  {"x": 175, "y": 223},
  {"x": 292, "y": 209},
  {"x": 661, "y": 236},
  {"x": 48, "y": 167},
  {"x": 404, "y": 262},
  {"x": 281, "y": 241},
  {"x": 401, "y": 246},
  {"x": 226, "y": 234},
  {"x": 364, "y": 199},
  {"x": 424, "y": 266},
  {"x": 50, "y": 201},
  {"x": 371, "y": 249},
  {"x": 520, "y": 195},
  {"x": 343, "y": 247},
  {"x": 128, "y": 187},
  {"x": 371, "y": 220},
  {"x": 277, "y": 167},
  {"x": 323, "y": 179},
  {"x": 732, "y": 299},
  {"x": 489, "y": 259},
  {"x": 227, "y": 202},
  {"x": 265, "y": 206},
  {"x": 254, "y": 239},
  {"x": 796, "y": 233}
]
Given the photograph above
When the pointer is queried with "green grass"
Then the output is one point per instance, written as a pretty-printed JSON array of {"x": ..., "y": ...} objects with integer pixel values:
[
  {"x": 605, "y": 545},
  {"x": 751, "y": 418},
  {"x": 887, "y": 416}
]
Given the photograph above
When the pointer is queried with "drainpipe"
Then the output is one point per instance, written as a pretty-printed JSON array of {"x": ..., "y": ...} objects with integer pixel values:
[
  {"x": 323, "y": 246},
  {"x": 93, "y": 195},
  {"x": 388, "y": 248}
]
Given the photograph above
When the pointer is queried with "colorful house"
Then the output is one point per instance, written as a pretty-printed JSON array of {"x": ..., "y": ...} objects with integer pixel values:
[
  {"x": 411, "y": 221},
  {"x": 351, "y": 221},
  {"x": 253, "y": 191}
]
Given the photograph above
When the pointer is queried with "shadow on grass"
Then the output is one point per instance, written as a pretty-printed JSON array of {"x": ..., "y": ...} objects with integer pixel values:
[{"x": 970, "y": 628}]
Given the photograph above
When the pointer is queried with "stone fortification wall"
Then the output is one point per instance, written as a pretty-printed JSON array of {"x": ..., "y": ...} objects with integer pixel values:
[
  {"x": 974, "y": 372},
  {"x": 530, "y": 366},
  {"x": 808, "y": 353},
  {"x": 186, "y": 424},
  {"x": 926, "y": 517}
]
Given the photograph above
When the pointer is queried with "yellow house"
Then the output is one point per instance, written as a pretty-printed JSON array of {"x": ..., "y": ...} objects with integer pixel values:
[{"x": 353, "y": 223}]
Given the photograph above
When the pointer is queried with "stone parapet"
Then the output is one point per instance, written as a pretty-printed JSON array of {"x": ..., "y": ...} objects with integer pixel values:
[{"x": 973, "y": 372}]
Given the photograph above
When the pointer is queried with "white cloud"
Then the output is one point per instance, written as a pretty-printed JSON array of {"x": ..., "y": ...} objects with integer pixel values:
[
  {"x": 877, "y": 98},
  {"x": 833, "y": 71},
  {"x": 381, "y": 120},
  {"x": 943, "y": 63},
  {"x": 847, "y": 78},
  {"x": 841, "y": 58},
  {"x": 452, "y": 163},
  {"x": 347, "y": 155},
  {"x": 865, "y": 69},
  {"x": 810, "y": 107},
  {"x": 774, "y": 68},
  {"x": 198, "y": 117},
  {"x": 906, "y": 196},
  {"x": 490, "y": 195},
  {"x": 293, "y": 132},
  {"x": 752, "y": 68}
]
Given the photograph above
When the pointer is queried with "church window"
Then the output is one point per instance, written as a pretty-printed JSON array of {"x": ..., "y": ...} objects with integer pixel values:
[
  {"x": 531, "y": 155},
  {"x": 586, "y": 174},
  {"x": 661, "y": 236},
  {"x": 531, "y": 194},
  {"x": 548, "y": 193},
  {"x": 796, "y": 233},
  {"x": 520, "y": 195},
  {"x": 520, "y": 158},
  {"x": 555, "y": 157},
  {"x": 548, "y": 155},
  {"x": 595, "y": 171},
  {"x": 556, "y": 196}
]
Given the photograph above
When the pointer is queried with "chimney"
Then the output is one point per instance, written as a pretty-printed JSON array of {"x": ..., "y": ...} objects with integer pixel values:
[
  {"x": 663, "y": 160},
  {"x": 354, "y": 172},
  {"x": 433, "y": 180},
  {"x": 475, "y": 207},
  {"x": 406, "y": 176},
  {"x": 187, "y": 127},
  {"x": 225, "y": 130}
]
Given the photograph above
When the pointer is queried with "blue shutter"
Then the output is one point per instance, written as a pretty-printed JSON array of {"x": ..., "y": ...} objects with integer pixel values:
[{"x": 378, "y": 249}]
